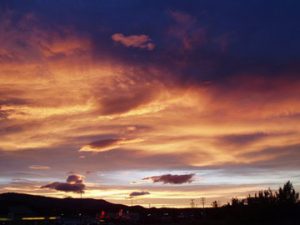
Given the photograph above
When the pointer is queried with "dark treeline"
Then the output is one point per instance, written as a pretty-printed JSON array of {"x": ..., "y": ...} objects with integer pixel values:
[
  {"x": 285, "y": 196},
  {"x": 264, "y": 207}
]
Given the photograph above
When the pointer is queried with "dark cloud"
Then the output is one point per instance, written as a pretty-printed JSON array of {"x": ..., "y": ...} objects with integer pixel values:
[
  {"x": 9, "y": 129},
  {"x": 74, "y": 183},
  {"x": 189, "y": 34},
  {"x": 280, "y": 155},
  {"x": 138, "y": 193},
  {"x": 124, "y": 102},
  {"x": 247, "y": 34},
  {"x": 66, "y": 187},
  {"x": 243, "y": 139},
  {"x": 103, "y": 143},
  {"x": 171, "y": 179},
  {"x": 249, "y": 138},
  {"x": 13, "y": 101}
]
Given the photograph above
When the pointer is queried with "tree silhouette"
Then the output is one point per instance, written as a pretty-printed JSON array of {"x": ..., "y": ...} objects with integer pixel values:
[
  {"x": 287, "y": 194},
  {"x": 215, "y": 204},
  {"x": 237, "y": 202},
  {"x": 264, "y": 197}
]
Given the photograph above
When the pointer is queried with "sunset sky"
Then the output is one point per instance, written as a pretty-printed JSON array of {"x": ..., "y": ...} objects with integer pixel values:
[{"x": 152, "y": 102}]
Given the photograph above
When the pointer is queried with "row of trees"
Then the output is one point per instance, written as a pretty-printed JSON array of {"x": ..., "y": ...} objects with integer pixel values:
[{"x": 285, "y": 195}]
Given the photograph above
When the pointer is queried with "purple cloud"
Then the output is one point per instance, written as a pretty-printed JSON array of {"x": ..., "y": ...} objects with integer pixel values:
[
  {"x": 74, "y": 183},
  {"x": 171, "y": 179},
  {"x": 135, "y": 41},
  {"x": 138, "y": 193}
]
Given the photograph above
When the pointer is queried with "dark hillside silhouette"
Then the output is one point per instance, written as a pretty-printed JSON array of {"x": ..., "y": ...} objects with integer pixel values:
[{"x": 52, "y": 206}]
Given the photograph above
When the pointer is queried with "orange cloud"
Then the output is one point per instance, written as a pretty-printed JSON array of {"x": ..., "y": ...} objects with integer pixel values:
[{"x": 39, "y": 167}]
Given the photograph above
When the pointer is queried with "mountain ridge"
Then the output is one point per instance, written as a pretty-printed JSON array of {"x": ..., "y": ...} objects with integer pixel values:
[{"x": 43, "y": 205}]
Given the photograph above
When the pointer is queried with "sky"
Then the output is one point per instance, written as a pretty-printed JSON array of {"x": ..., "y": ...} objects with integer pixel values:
[{"x": 149, "y": 102}]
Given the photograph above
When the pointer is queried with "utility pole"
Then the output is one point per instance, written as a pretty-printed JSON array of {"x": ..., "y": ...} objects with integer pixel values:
[
  {"x": 80, "y": 214},
  {"x": 192, "y": 203},
  {"x": 203, "y": 202}
]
